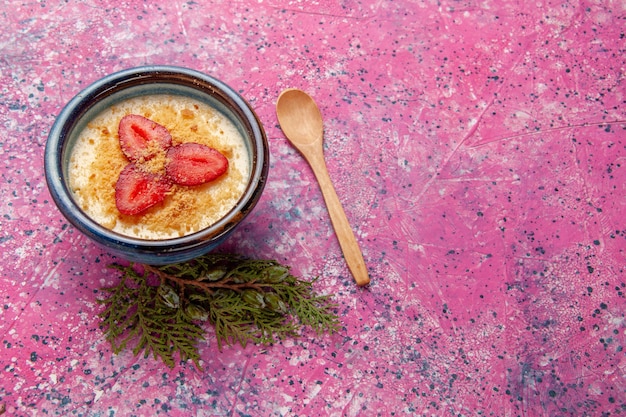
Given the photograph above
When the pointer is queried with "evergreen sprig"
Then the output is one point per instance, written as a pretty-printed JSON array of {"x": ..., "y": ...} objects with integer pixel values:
[{"x": 160, "y": 310}]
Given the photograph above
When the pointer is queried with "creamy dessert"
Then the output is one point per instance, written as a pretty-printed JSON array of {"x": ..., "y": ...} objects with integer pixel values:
[{"x": 97, "y": 160}]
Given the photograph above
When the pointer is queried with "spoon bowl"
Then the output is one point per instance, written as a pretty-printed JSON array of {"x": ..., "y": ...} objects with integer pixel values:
[
  {"x": 301, "y": 121},
  {"x": 299, "y": 118}
]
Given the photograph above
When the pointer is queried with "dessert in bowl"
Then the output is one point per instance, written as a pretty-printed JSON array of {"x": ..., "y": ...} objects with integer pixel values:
[{"x": 157, "y": 164}]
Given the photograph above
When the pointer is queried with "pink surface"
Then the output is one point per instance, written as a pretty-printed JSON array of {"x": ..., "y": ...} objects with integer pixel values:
[{"x": 480, "y": 152}]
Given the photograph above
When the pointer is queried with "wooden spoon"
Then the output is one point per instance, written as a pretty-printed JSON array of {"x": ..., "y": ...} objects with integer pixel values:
[{"x": 301, "y": 121}]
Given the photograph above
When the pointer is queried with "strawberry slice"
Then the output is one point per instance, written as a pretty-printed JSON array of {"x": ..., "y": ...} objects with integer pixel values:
[
  {"x": 194, "y": 164},
  {"x": 142, "y": 138},
  {"x": 137, "y": 190}
]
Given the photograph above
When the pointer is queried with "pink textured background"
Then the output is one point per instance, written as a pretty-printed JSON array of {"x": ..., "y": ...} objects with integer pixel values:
[{"x": 480, "y": 151}]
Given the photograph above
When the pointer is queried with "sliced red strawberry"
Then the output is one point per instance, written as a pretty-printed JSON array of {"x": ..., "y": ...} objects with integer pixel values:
[
  {"x": 142, "y": 138},
  {"x": 137, "y": 190},
  {"x": 194, "y": 164}
]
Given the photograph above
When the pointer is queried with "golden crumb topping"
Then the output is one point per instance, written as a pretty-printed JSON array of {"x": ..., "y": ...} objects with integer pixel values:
[{"x": 97, "y": 161}]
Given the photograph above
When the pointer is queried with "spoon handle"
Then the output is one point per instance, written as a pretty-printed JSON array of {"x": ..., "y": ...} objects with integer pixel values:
[{"x": 345, "y": 235}]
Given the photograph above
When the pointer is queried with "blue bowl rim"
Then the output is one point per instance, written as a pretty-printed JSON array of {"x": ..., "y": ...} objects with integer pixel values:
[{"x": 165, "y": 74}]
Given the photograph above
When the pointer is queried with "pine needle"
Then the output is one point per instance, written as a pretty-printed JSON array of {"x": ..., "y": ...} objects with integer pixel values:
[{"x": 160, "y": 311}]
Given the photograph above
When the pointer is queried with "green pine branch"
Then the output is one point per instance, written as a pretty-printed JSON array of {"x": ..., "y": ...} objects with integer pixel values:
[{"x": 160, "y": 311}]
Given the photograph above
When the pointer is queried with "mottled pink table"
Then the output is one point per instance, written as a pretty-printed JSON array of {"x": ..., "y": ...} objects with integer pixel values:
[{"x": 479, "y": 149}]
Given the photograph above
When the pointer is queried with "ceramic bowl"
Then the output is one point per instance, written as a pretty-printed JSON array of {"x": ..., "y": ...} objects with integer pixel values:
[{"x": 146, "y": 81}]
